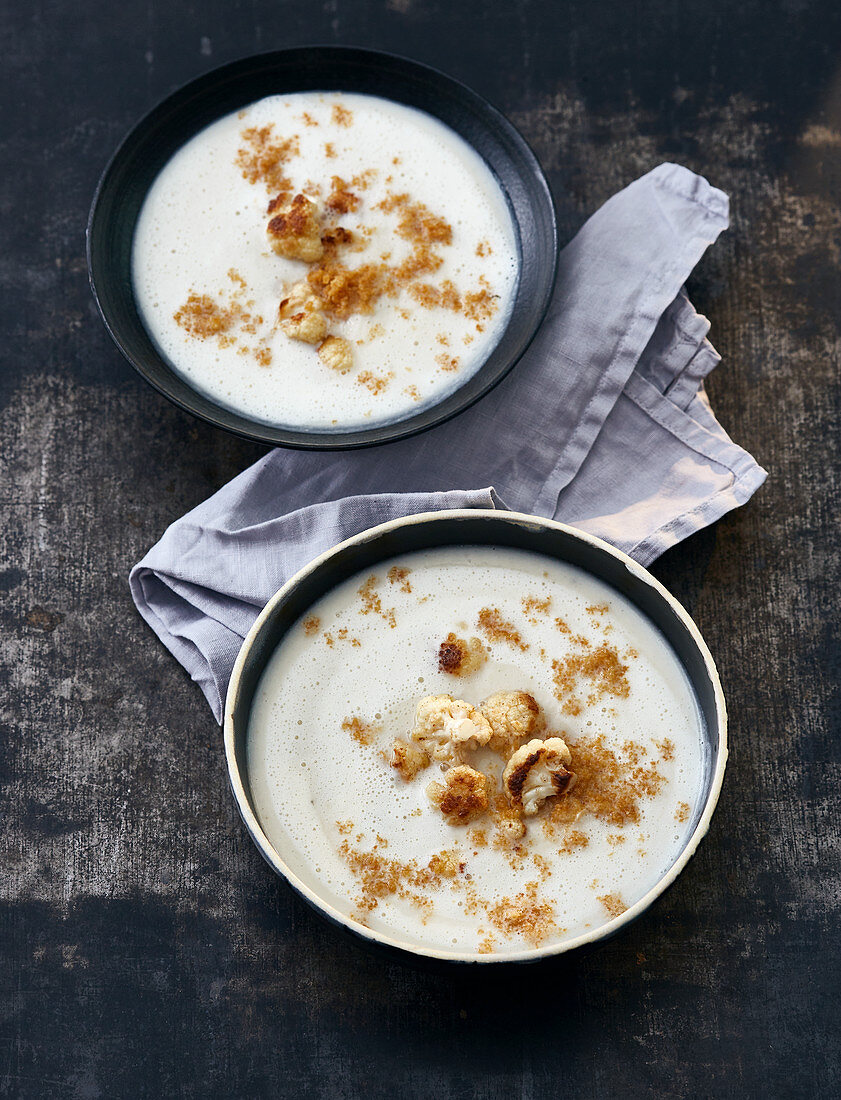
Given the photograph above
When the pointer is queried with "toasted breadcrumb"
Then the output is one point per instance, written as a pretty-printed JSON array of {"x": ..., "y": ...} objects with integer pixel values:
[
  {"x": 495, "y": 628},
  {"x": 400, "y": 575},
  {"x": 261, "y": 158},
  {"x": 612, "y": 904},
  {"x": 342, "y": 116}
]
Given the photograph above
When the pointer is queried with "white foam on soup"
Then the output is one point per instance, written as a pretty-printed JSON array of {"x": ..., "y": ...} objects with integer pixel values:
[
  {"x": 202, "y": 219},
  {"x": 317, "y": 788}
]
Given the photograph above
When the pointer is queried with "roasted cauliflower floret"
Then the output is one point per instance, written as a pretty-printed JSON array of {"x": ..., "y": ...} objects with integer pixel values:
[
  {"x": 298, "y": 298},
  {"x": 336, "y": 353},
  {"x": 408, "y": 758},
  {"x": 447, "y": 728},
  {"x": 461, "y": 796},
  {"x": 460, "y": 657},
  {"x": 295, "y": 231},
  {"x": 513, "y": 716},
  {"x": 308, "y": 326},
  {"x": 535, "y": 772}
]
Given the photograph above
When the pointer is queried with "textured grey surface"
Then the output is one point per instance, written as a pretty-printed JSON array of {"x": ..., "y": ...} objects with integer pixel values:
[{"x": 145, "y": 950}]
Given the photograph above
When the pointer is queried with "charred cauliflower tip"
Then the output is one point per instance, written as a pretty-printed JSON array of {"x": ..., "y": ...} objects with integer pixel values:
[
  {"x": 461, "y": 796},
  {"x": 537, "y": 771}
]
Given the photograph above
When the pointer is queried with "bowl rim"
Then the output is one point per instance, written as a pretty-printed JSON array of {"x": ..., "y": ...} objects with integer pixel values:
[
  {"x": 604, "y": 931},
  {"x": 299, "y": 439}
]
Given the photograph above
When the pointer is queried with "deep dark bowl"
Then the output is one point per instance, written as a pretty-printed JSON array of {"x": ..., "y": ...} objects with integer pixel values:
[
  {"x": 158, "y": 136},
  {"x": 476, "y": 528}
]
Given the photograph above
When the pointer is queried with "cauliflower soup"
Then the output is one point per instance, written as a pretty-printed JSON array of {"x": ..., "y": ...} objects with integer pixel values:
[
  {"x": 325, "y": 261},
  {"x": 476, "y": 749}
]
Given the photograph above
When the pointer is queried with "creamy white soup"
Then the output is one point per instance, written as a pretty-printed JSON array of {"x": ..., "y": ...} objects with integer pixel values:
[
  {"x": 326, "y": 262},
  {"x": 351, "y": 763}
]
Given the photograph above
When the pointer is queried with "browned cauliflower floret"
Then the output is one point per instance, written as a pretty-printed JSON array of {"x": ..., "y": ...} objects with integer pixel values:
[
  {"x": 295, "y": 231},
  {"x": 336, "y": 353},
  {"x": 297, "y": 298},
  {"x": 447, "y": 728},
  {"x": 537, "y": 771},
  {"x": 460, "y": 657},
  {"x": 408, "y": 758},
  {"x": 308, "y": 326},
  {"x": 461, "y": 796},
  {"x": 513, "y": 716}
]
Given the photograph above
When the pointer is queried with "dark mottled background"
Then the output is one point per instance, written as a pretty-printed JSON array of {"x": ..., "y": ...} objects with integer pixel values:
[{"x": 146, "y": 950}]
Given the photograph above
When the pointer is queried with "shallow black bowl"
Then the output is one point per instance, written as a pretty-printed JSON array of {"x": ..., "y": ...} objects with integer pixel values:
[
  {"x": 165, "y": 129},
  {"x": 475, "y": 528}
]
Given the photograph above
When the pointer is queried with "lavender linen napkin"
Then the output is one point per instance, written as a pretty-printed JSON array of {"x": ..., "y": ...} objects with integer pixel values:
[{"x": 603, "y": 424}]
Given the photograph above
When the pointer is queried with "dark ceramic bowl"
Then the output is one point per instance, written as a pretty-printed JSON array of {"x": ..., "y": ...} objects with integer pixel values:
[
  {"x": 159, "y": 135},
  {"x": 475, "y": 528}
]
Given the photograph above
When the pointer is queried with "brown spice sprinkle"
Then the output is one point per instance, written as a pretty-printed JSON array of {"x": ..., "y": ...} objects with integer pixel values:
[
  {"x": 342, "y": 116},
  {"x": 381, "y": 877},
  {"x": 362, "y": 732},
  {"x": 447, "y": 362},
  {"x": 311, "y": 625},
  {"x": 533, "y": 607},
  {"x": 574, "y": 839},
  {"x": 606, "y": 786},
  {"x": 398, "y": 575},
  {"x": 667, "y": 748},
  {"x": 459, "y": 657},
  {"x": 682, "y": 812},
  {"x": 201, "y": 316},
  {"x": 601, "y": 667},
  {"x": 496, "y": 629},
  {"x": 308, "y": 120},
  {"x": 417, "y": 222},
  {"x": 341, "y": 200},
  {"x": 262, "y": 157},
  {"x": 524, "y": 915},
  {"x": 376, "y": 383},
  {"x": 612, "y": 904},
  {"x": 371, "y": 602}
]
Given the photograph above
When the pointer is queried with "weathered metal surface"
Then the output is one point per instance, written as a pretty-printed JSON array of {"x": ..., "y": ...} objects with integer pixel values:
[{"x": 146, "y": 950}]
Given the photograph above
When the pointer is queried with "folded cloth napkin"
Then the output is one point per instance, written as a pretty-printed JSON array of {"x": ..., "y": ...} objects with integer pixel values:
[{"x": 603, "y": 424}]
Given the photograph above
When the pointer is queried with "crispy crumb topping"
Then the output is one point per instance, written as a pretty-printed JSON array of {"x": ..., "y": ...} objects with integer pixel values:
[
  {"x": 362, "y": 732},
  {"x": 262, "y": 157},
  {"x": 399, "y": 575},
  {"x": 342, "y": 116},
  {"x": 311, "y": 624},
  {"x": 601, "y": 670},
  {"x": 496, "y": 629},
  {"x": 612, "y": 904}
]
